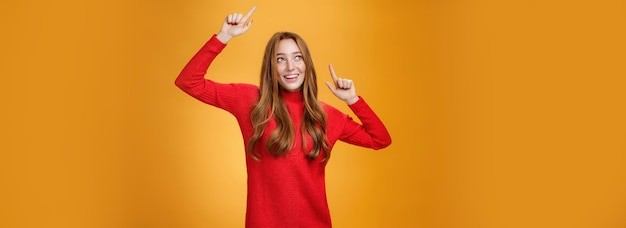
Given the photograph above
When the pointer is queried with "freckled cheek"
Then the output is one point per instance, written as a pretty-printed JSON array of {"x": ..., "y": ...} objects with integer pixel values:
[
  {"x": 280, "y": 68},
  {"x": 301, "y": 65}
]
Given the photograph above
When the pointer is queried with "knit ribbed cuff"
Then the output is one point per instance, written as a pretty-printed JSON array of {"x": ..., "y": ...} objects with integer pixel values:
[{"x": 215, "y": 45}]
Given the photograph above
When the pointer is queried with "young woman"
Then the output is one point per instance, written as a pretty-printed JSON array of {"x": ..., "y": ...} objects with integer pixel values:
[{"x": 288, "y": 133}]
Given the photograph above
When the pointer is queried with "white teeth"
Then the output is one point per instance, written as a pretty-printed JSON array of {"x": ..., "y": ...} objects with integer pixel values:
[{"x": 291, "y": 76}]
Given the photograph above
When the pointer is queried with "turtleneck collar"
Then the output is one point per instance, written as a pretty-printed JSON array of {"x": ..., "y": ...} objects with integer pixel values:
[{"x": 291, "y": 96}]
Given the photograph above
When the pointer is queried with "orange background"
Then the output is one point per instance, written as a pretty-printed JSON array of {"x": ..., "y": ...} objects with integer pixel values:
[{"x": 503, "y": 113}]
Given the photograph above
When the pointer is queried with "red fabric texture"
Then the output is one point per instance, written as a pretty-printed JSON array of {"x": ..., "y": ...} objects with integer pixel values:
[{"x": 289, "y": 190}]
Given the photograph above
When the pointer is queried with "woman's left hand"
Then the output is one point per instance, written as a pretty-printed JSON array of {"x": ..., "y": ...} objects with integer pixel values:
[{"x": 342, "y": 88}]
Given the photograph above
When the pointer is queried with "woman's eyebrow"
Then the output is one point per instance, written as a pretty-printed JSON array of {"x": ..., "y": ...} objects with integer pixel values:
[{"x": 293, "y": 53}]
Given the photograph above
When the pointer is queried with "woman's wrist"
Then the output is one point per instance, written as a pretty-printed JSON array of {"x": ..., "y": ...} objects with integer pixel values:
[
  {"x": 351, "y": 101},
  {"x": 224, "y": 37}
]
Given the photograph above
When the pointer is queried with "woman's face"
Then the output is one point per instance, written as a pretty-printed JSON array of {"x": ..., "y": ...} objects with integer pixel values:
[{"x": 290, "y": 65}]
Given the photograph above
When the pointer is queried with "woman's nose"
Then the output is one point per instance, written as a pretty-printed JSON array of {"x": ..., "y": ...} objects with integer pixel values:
[{"x": 290, "y": 65}]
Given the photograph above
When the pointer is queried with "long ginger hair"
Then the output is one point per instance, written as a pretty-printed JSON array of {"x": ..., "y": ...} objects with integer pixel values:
[{"x": 270, "y": 104}]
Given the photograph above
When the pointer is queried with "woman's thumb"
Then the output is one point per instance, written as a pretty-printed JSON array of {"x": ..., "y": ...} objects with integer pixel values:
[{"x": 330, "y": 86}]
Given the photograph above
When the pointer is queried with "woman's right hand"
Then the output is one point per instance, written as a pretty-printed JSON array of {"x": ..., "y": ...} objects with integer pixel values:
[{"x": 234, "y": 25}]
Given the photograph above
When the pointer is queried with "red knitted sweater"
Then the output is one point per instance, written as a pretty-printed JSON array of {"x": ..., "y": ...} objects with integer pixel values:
[{"x": 285, "y": 191}]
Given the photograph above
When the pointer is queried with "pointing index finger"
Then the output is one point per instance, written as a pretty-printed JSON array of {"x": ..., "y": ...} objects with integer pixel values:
[
  {"x": 332, "y": 73},
  {"x": 244, "y": 19}
]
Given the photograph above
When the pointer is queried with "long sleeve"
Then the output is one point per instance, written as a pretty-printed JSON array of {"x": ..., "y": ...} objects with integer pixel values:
[
  {"x": 191, "y": 79},
  {"x": 372, "y": 133},
  {"x": 234, "y": 98}
]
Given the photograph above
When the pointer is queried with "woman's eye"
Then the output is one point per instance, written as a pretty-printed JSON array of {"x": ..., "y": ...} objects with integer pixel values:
[
  {"x": 298, "y": 57},
  {"x": 280, "y": 59}
]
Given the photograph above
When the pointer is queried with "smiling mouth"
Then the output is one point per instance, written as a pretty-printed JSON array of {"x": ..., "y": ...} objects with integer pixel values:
[{"x": 291, "y": 77}]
